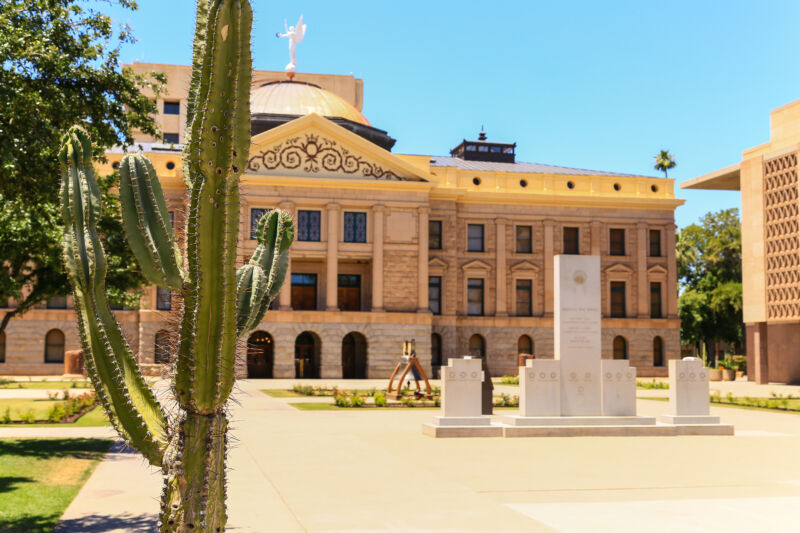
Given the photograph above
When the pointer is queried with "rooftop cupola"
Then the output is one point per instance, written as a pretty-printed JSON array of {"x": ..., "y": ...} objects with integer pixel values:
[{"x": 483, "y": 150}]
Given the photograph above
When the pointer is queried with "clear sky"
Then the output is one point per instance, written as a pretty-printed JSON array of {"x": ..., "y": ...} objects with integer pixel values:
[{"x": 587, "y": 84}]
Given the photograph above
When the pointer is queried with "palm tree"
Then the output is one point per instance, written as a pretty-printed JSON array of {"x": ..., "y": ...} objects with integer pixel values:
[{"x": 664, "y": 162}]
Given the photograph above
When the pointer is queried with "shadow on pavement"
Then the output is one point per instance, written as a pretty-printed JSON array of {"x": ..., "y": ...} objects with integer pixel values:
[{"x": 97, "y": 523}]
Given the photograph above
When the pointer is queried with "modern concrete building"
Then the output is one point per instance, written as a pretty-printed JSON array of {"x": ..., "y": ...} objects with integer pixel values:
[
  {"x": 453, "y": 251},
  {"x": 767, "y": 178}
]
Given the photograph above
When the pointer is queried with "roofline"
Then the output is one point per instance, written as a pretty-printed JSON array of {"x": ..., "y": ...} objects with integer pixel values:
[{"x": 724, "y": 179}]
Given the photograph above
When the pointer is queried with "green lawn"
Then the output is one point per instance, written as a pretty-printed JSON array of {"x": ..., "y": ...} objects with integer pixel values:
[
  {"x": 94, "y": 418},
  {"x": 322, "y": 406},
  {"x": 40, "y": 477},
  {"x": 17, "y": 407},
  {"x": 279, "y": 393},
  {"x": 55, "y": 385}
]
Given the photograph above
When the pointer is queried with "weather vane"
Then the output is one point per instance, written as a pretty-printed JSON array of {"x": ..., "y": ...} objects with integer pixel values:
[{"x": 295, "y": 35}]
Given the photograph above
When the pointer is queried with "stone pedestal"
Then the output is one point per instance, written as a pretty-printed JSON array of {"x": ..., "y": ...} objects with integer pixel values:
[
  {"x": 618, "y": 388},
  {"x": 688, "y": 394},
  {"x": 540, "y": 388}
]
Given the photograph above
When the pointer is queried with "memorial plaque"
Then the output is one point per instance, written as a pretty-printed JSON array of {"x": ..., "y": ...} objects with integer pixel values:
[
  {"x": 540, "y": 388},
  {"x": 461, "y": 388},
  {"x": 619, "y": 388},
  {"x": 577, "y": 332}
]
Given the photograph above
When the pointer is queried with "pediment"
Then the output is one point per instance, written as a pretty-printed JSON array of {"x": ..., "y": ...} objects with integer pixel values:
[
  {"x": 476, "y": 264},
  {"x": 313, "y": 146},
  {"x": 657, "y": 270},
  {"x": 525, "y": 266},
  {"x": 619, "y": 268},
  {"x": 437, "y": 262}
]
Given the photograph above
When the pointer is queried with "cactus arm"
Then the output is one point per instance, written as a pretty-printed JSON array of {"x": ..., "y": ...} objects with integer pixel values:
[
  {"x": 145, "y": 219},
  {"x": 198, "y": 54},
  {"x": 129, "y": 402},
  {"x": 217, "y": 152},
  {"x": 259, "y": 281}
]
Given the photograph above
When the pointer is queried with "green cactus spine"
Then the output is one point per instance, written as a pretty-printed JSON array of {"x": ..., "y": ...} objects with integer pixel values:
[{"x": 221, "y": 304}]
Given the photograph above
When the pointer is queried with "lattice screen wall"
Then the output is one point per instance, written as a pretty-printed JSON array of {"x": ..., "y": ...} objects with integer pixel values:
[{"x": 782, "y": 239}]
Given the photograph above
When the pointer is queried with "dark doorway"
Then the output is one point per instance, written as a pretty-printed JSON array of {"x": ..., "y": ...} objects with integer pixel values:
[
  {"x": 620, "y": 348},
  {"x": 304, "y": 292},
  {"x": 477, "y": 346},
  {"x": 354, "y": 356},
  {"x": 349, "y": 292},
  {"x": 306, "y": 356},
  {"x": 260, "y": 355}
]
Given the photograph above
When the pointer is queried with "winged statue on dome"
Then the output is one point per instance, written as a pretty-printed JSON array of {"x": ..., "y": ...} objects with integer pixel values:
[{"x": 295, "y": 35}]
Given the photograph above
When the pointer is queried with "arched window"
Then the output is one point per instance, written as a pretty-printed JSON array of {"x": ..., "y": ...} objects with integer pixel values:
[
  {"x": 3, "y": 347},
  {"x": 525, "y": 345},
  {"x": 54, "y": 346},
  {"x": 436, "y": 349},
  {"x": 658, "y": 351},
  {"x": 161, "y": 347},
  {"x": 477, "y": 346},
  {"x": 260, "y": 355},
  {"x": 620, "y": 348}
]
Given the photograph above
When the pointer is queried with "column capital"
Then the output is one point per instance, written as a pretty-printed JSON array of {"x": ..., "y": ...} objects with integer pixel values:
[
  {"x": 641, "y": 225},
  {"x": 333, "y": 206},
  {"x": 596, "y": 223},
  {"x": 379, "y": 208},
  {"x": 500, "y": 221},
  {"x": 549, "y": 222},
  {"x": 286, "y": 205},
  {"x": 423, "y": 210}
]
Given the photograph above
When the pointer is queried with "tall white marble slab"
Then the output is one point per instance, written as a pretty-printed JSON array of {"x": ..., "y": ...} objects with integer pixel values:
[
  {"x": 461, "y": 393},
  {"x": 540, "y": 388},
  {"x": 618, "y": 388},
  {"x": 577, "y": 333},
  {"x": 688, "y": 393}
]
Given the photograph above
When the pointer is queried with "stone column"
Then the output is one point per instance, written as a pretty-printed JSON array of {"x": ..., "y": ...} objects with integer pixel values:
[
  {"x": 378, "y": 212},
  {"x": 501, "y": 308},
  {"x": 422, "y": 266},
  {"x": 760, "y": 370},
  {"x": 597, "y": 227},
  {"x": 285, "y": 296},
  {"x": 672, "y": 272},
  {"x": 549, "y": 230},
  {"x": 643, "y": 289},
  {"x": 332, "y": 262}
]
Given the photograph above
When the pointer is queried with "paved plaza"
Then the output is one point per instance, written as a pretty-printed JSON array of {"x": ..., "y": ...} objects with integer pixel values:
[{"x": 368, "y": 470}]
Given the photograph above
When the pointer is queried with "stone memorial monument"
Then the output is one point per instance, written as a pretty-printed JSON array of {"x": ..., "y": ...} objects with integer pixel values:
[
  {"x": 688, "y": 393},
  {"x": 618, "y": 388}
]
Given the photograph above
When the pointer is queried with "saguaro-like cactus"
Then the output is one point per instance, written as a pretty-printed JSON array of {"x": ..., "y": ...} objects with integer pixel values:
[{"x": 221, "y": 304}]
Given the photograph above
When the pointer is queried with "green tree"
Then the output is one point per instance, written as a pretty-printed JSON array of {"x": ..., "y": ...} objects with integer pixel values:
[
  {"x": 664, "y": 162},
  {"x": 60, "y": 66},
  {"x": 709, "y": 257}
]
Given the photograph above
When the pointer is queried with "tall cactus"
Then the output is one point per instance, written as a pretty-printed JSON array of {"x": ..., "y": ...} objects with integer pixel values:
[{"x": 220, "y": 304}]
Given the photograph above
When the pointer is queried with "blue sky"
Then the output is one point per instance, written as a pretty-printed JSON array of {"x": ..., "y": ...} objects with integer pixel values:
[{"x": 598, "y": 85}]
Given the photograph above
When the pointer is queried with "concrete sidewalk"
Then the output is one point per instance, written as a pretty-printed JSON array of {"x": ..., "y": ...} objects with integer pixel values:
[{"x": 351, "y": 470}]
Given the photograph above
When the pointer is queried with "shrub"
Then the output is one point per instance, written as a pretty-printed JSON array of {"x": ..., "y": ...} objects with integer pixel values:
[
  {"x": 437, "y": 401},
  {"x": 28, "y": 417},
  {"x": 52, "y": 396},
  {"x": 380, "y": 399},
  {"x": 65, "y": 394},
  {"x": 510, "y": 380},
  {"x": 6, "y": 418},
  {"x": 56, "y": 413},
  {"x": 305, "y": 390},
  {"x": 342, "y": 400},
  {"x": 356, "y": 400},
  {"x": 652, "y": 384}
]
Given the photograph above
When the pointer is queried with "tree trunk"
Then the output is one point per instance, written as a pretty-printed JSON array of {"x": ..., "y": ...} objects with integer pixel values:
[{"x": 193, "y": 499}]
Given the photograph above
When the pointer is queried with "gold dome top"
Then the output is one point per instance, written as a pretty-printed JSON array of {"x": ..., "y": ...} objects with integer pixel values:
[{"x": 300, "y": 98}]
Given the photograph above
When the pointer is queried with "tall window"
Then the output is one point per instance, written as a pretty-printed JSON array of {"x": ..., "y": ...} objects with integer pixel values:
[
  {"x": 475, "y": 297},
  {"x": 163, "y": 299},
  {"x": 524, "y": 240},
  {"x": 308, "y": 225},
  {"x": 475, "y": 237},
  {"x": 436, "y": 349},
  {"x": 618, "y": 299},
  {"x": 171, "y": 138},
  {"x": 355, "y": 227},
  {"x": 255, "y": 217},
  {"x": 620, "y": 348},
  {"x": 658, "y": 351},
  {"x": 435, "y": 234},
  {"x": 172, "y": 108},
  {"x": 54, "y": 346},
  {"x": 3, "y": 347},
  {"x": 524, "y": 297},
  {"x": 655, "y": 299},
  {"x": 616, "y": 240},
  {"x": 349, "y": 292},
  {"x": 525, "y": 345},
  {"x": 571, "y": 241},
  {"x": 655, "y": 243},
  {"x": 435, "y": 294},
  {"x": 304, "y": 292},
  {"x": 477, "y": 346},
  {"x": 161, "y": 347},
  {"x": 57, "y": 302}
]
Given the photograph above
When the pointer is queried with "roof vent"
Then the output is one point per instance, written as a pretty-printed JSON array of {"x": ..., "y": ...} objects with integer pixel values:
[{"x": 483, "y": 150}]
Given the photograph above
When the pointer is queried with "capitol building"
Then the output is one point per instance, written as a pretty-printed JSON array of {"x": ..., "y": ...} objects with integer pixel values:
[{"x": 454, "y": 251}]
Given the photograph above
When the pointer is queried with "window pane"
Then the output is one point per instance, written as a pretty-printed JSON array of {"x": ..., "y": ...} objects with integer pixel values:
[
  {"x": 435, "y": 294},
  {"x": 255, "y": 217},
  {"x": 304, "y": 291},
  {"x": 618, "y": 299},
  {"x": 617, "y": 242},
  {"x": 54, "y": 347},
  {"x": 524, "y": 300},
  {"x": 655, "y": 300},
  {"x": 161, "y": 347},
  {"x": 655, "y": 243},
  {"x": 171, "y": 138},
  {"x": 658, "y": 352},
  {"x": 435, "y": 234},
  {"x": 475, "y": 237},
  {"x": 525, "y": 345},
  {"x": 571, "y": 241},
  {"x": 57, "y": 302},
  {"x": 436, "y": 349},
  {"x": 163, "y": 299},
  {"x": 172, "y": 108},
  {"x": 620, "y": 348},
  {"x": 308, "y": 226},
  {"x": 349, "y": 292},
  {"x": 524, "y": 240},
  {"x": 475, "y": 297},
  {"x": 355, "y": 227}
]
